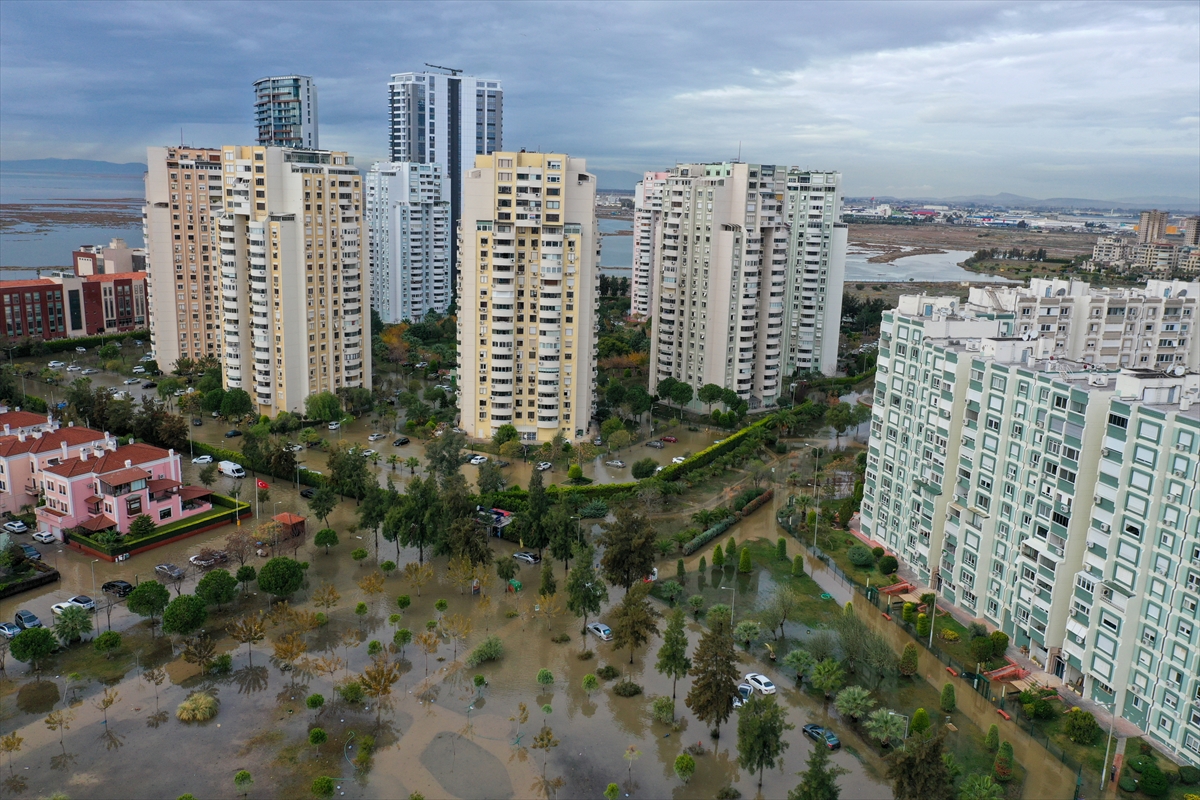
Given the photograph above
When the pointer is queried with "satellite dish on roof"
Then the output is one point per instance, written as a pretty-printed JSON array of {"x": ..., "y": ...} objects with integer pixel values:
[
  {"x": 1060, "y": 292},
  {"x": 1025, "y": 336}
]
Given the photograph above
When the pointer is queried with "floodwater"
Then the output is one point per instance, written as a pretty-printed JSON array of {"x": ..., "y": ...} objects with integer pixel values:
[{"x": 930, "y": 267}]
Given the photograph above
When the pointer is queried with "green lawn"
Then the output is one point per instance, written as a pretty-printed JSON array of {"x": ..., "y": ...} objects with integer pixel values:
[{"x": 1177, "y": 790}]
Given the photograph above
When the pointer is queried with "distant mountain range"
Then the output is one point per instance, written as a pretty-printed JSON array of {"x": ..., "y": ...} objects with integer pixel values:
[
  {"x": 1007, "y": 200},
  {"x": 72, "y": 166}
]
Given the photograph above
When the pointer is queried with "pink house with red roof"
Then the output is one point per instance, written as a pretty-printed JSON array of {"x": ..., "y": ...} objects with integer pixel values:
[
  {"x": 106, "y": 489},
  {"x": 26, "y": 449}
]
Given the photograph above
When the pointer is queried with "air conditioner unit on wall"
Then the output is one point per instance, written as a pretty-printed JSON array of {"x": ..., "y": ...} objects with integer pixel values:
[{"x": 1104, "y": 526}]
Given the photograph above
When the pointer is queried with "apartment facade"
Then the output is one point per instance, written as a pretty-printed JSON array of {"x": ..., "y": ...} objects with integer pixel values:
[
  {"x": 1152, "y": 226},
  {"x": 292, "y": 275},
  {"x": 409, "y": 233},
  {"x": 27, "y": 449},
  {"x": 994, "y": 470},
  {"x": 116, "y": 256},
  {"x": 736, "y": 303},
  {"x": 647, "y": 217},
  {"x": 184, "y": 197},
  {"x": 434, "y": 118},
  {"x": 285, "y": 112},
  {"x": 1145, "y": 327},
  {"x": 527, "y": 287}
]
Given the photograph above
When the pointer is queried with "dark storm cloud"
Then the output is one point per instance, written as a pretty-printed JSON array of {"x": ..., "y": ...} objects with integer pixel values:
[{"x": 1099, "y": 100}]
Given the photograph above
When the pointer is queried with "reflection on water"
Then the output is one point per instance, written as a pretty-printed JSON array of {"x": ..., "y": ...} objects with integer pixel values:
[{"x": 929, "y": 267}]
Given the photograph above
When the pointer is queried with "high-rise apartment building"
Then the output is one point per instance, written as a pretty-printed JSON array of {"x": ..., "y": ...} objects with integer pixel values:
[
  {"x": 408, "y": 224},
  {"x": 1146, "y": 327},
  {"x": 527, "y": 295},
  {"x": 1052, "y": 499},
  {"x": 445, "y": 120},
  {"x": 748, "y": 262},
  {"x": 1152, "y": 226},
  {"x": 184, "y": 196},
  {"x": 647, "y": 215},
  {"x": 292, "y": 275},
  {"x": 1191, "y": 232},
  {"x": 285, "y": 112}
]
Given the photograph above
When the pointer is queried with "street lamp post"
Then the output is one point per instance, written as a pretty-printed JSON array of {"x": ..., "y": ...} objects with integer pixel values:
[
  {"x": 1104, "y": 772},
  {"x": 906, "y": 721},
  {"x": 733, "y": 603},
  {"x": 93, "y": 565}
]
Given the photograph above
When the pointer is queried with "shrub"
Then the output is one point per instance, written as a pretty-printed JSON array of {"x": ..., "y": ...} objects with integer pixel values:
[
  {"x": 1002, "y": 768},
  {"x": 948, "y": 701},
  {"x": 608, "y": 672},
  {"x": 992, "y": 740},
  {"x": 1154, "y": 782},
  {"x": 561, "y": 638},
  {"x": 920, "y": 721},
  {"x": 314, "y": 701},
  {"x": 490, "y": 649},
  {"x": 222, "y": 664},
  {"x": 744, "y": 564},
  {"x": 922, "y": 625},
  {"x": 663, "y": 709},
  {"x": 909, "y": 613},
  {"x": 1128, "y": 784},
  {"x": 981, "y": 648},
  {"x": 594, "y": 509},
  {"x": 626, "y": 688},
  {"x": 797, "y": 566},
  {"x": 908, "y": 660},
  {"x": 1139, "y": 763},
  {"x": 198, "y": 707},
  {"x": 976, "y": 629},
  {"x": 888, "y": 565},
  {"x": 999, "y": 643},
  {"x": 948, "y": 635},
  {"x": 877, "y": 552},
  {"x": 107, "y": 642},
  {"x": 1081, "y": 727},
  {"x": 351, "y": 691},
  {"x": 1189, "y": 775},
  {"x": 860, "y": 556}
]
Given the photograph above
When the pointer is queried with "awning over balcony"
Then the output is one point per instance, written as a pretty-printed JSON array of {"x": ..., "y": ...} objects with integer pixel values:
[
  {"x": 91, "y": 501},
  {"x": 163, "y": 485},
  {"x": 123, "y": 476},
  {"x": 194, "y": 493},
  {"x": 97, "y": 524}
]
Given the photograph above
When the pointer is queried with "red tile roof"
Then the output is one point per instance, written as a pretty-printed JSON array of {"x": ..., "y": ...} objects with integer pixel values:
[
  {"x": 288, "y": 519},
  {"x": 100, "y": 523},
  {"x": 29, "y": 283},
  {"x": 135, "y": 453},
  {"x": 163, "y": 484},
  {"x": 21, "y": 419},
  {"x": 194, "y": 492},
  {"x": 49, "y": 441},
  {"x": 127, "y": 475}
]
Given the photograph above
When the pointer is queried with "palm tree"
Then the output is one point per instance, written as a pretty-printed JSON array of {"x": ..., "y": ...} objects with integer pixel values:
[
  {"x": 393, "y": 460},
  {"x": 886, "y": 726},
  {"x": 854, "y": 702},
  {"x": 412, "y": 462},
  {"x": 980, "y": 787},
  {"x": 704, "y": 518}
]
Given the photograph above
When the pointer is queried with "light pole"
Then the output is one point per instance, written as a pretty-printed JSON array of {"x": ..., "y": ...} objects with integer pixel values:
[
  {"x": 1104, "y": 772},
  {"x": 906, "y": 721},
  {"x": 733, "y": 603},
  {"x": 93, "y": 565}
]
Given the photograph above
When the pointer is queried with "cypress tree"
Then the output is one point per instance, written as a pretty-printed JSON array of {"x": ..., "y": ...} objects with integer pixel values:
[
  {"x": 744, "y": 565},
  {"x": 718, "y": 557}
]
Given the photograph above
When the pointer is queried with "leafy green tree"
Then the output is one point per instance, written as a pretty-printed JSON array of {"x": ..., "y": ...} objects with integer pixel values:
[
  {"x": 948, "y": 701},
  {"x": 918, "y": 772},
  {"x": 673, "y": 659},
  {"x": 327, "y": 538},
  {"x": 107, "y": 642},
  {"x": 143, "y": 525},
  {"x": 827, "y": 677},
  {"x": 322, "y": 503},
  {"x": 323, "y": 406},
  {"x": 744, "y": 565},
  {"x": 490, "y": 479},
  {"x": 243, "y": 781},
  {"x": 245, "y": 574},
  {"x": 32, "y": 646},
  {"x": 72, "y": 624},
  {"x": 644, "y": 468},
  {"x": 854, "y": 702},
  {"x": 633, "y": 621},
  {"x": 1002, "y": 767},
  {"x": 1081, "y": 726},
  {"x": 992, "y": 740},
  {"x": 549, "y": 586},
  {"x": 714, "y": 672},
  {"x": 184, "y": 615},
  {"x": 280, "y": 577},
  {"x": 685, "y": 766},
  {"x": 819, "y": 780},
  {"x": 761, "y": 725},
  {"x": 718, "y": 557},
  {"x": 317, "y": 737},
  {"x": 505, "y": 433},
  {"x": 217, "y": 587},
  {"x": 629, "y": 548},
  {"x": 586, "y": 592},
  {"x": 709, "y": 393},
  {"x": 235, "y": 403},
  {"x": 148, "y": 599},
  {"x": 920, "y": 721}
]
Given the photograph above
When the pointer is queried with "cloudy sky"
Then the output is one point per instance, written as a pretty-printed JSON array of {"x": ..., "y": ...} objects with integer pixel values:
[{"x": 1097, "y": 100}]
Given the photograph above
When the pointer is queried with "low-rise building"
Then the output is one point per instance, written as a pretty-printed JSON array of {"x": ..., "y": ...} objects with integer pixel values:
[
  {"x": 65, "y": 304},
  {"x": 106, "y": 488},
  {"x": 27, "y": 448}
]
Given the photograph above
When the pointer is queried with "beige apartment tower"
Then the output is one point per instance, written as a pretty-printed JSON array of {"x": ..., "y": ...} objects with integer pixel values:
[
  {"x": 183, "y": 199},
  {"x": 292, "y": 275},
  {"x": 527, "y": 291},
  {"x": 1152, "y": 226}
]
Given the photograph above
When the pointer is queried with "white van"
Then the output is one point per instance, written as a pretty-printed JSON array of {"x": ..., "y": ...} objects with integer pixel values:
[{"x": 230, "y": 469}]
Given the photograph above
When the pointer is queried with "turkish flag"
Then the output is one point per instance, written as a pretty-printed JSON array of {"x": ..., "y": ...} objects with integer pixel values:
[{"x": 263, "y": 484}]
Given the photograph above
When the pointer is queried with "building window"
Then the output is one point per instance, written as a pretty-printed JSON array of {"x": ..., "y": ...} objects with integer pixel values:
[{"x": 164, "y": 513}]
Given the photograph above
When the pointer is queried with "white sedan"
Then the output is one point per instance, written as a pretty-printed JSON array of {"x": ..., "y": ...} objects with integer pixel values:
[
  {"x": 477, "y": 460},
  {"x": 543, "y": 466},
  {"x": 369, "y": 453},
  {"x": 616, "y": 462},
  {"x": 131, "y": 381},
  {"x": 56, "y": 365},
  {"x": 678, "y": 460},
  {"x": 601, "y": 631},
  {"x": 761, "y": 683},
  {"x": 202, "y": 460},
  {"x": 74, "y": 368},
  {"x": 375, "y": 437}
]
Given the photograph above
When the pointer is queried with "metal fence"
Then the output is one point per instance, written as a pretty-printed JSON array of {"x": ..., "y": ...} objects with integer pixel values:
[{"x": 977, "y": 681}]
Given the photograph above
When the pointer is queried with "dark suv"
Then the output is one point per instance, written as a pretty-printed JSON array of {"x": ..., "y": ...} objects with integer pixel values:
[{"x": 118, "y": 588}]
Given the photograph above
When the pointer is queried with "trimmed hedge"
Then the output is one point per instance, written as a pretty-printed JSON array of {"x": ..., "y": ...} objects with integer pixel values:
[
  {"x": 725, "y": 524},
  {"x": 711, "y": 453},
  {"x": 221, "y": 454},
  {"x": 228, "y": 507},
  {"x": 25, "y": 349}
]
